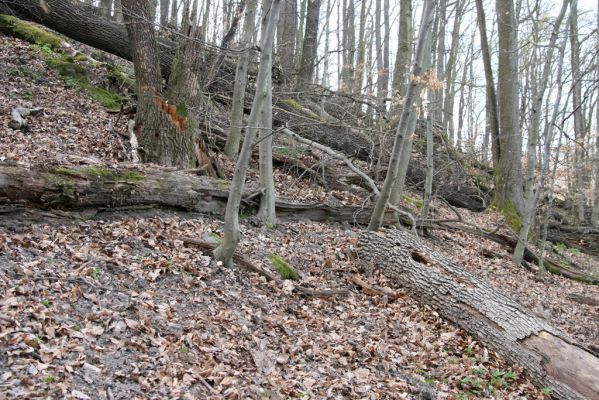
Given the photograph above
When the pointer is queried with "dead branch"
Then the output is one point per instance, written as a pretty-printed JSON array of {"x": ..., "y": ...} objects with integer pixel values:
[{"x": 245, "y": 263}]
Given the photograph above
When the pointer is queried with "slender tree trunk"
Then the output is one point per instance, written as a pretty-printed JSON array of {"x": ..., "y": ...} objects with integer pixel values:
[
  {"x": 106, "y": 8},
  {"x": 349, "y": 34},
  {"x": 174, "y": 12},
  {"x": 118, "y": 11},
  {"x": 438, "y": 94},
  {"x": 538, "y": 92},
  {"x": 361, "y": 56},
  {"x": 450, "y": 71},
  {"x": 309, "y": 47},
  {"x": 234, "y": 138},
  {"x": 404, "y": 52},
  {"x": 224, "y": 252},
  {"x": 493, "y": 113},
  {"x": 595, "y": 213},
  {"x": 164, "y": 12},
  {"x": 266, "y": 211},
  {"x": 579, "y": 125},
  {"x": 412, "y": 98},
  {"x": 508, "y": 172}
]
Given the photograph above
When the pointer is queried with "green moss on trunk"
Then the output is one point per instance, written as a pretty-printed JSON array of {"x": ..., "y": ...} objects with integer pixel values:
[{"x": 23, "y": 30}]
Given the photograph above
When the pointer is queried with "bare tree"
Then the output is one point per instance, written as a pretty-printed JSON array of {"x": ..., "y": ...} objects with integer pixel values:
[
  {"x": 224, "y": 252},
  {"x": 234, "y": 138},
  {"x": 403, "y": 133}
]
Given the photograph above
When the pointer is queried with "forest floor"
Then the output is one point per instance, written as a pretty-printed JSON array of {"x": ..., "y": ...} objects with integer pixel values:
[{"x": 116, "y": 306}]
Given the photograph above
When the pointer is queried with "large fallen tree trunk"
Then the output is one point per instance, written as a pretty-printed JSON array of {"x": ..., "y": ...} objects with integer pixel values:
[
  {"x": 97, "y": 187},
  {"x": 85, "y": 24},
  {"x": 550, "y": 358}
]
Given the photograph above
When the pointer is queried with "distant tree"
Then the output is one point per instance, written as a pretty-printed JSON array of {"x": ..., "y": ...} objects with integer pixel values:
[
  {"x": 286, "y": 33},
  {"x": 307, "y": 65}
]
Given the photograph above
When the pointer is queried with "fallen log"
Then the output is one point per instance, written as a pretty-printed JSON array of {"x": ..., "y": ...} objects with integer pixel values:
[
  {"x": 106, "y": 188},
  {"x": 550, "y": 358}
]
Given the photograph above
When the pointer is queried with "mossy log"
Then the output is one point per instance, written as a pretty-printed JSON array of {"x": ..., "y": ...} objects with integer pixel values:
[
  {"x": 99, "y": 187},
  {"x": 550, "y": 359}
]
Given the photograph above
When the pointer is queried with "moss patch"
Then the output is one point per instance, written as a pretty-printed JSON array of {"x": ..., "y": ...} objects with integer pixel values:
[
  {"x": 108, "y": 99},
  {"x": 292, "y": 103},
  {"x": 510, "y": 214},
  {"x": 415, "y": 202},
  {"x": 75, "y": 75},
  {"x": 23, "y": 30},
  {"x": 285, "y": 270}
]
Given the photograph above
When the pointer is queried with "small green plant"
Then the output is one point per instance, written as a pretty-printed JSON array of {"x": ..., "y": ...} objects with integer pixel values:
[
  {"x": 96, "y": 271},
  {"x": 183, "y": 349},
  {"x": 469, "y": 351},
  {"x": 49, "y": 379},
  {"x": 547, "y": 391},
  {"x": 24, "y": 72},
  {"x": 283, "y": 268},
  {"x": 510, "y": 376},
  {"x": 46, "y": 303}
]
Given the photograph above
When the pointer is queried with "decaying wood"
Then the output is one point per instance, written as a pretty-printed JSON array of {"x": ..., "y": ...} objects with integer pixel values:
[
  {"x": 550, "y": 358},
  {"x": 243, "y": 262},
  {"x": 105, "y": 188}
]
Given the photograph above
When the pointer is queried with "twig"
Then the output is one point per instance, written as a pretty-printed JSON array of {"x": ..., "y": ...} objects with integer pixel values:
[
  {"x": 374, "y": 290},
  {"x": 243, "y": 262}
]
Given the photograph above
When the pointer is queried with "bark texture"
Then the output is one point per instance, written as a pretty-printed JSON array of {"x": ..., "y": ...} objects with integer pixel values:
[
  {"x": 100, "y": 187},
  {"x": 549, "y": 357}
]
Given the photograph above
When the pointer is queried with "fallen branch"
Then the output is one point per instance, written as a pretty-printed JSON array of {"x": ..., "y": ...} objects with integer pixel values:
[
  {"x": 241, "y": 261},
  {"x": 18, "y": 115},
  {"x": 374, "y": 290}
]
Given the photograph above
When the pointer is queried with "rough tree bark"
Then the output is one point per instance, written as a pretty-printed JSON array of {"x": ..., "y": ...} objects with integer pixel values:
[
  {"x": 286, "y": 33},
  {"x": 163, "y": 130},
  {"x": 550, "y": 358},
  {"x": 508, "y": 171},
  {"x": 305, "y": 73}
]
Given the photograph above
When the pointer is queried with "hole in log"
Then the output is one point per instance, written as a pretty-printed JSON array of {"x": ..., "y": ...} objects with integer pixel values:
[{"x": 419, "y": 258}]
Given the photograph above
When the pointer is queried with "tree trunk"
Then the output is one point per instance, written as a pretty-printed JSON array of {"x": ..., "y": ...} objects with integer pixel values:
[
  {"x": 508, "y": 172},
  {"x": 305, "y": 74},
  {"x": 163, "y": 129},
  {"x": 361, "y": 53},
  {"x": 106, "y": 188},
  {"x": 403, "y": 135},
  {"x": 549, "y": 357},
  {"x": 579, "y": 125},
  {"x": 450, "y": 71},
  {"x": 266, "y": 212},
  {"x": 286, "y": 33},
  {"x": 164, "y": 12},
  {"x": 106, "y": 8},
  {"x": 226, "y": 249},
  {"x": 403, "y": 57},
  {"x": 238, "y": 101},
  {"x": 492, "y": 113},
  {"x": 539, "y": 85}
]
